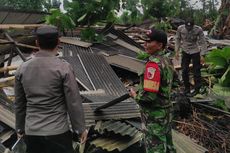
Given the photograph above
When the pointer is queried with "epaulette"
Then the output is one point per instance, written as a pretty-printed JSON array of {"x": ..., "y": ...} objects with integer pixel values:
[{"x": 154, "y": 59}]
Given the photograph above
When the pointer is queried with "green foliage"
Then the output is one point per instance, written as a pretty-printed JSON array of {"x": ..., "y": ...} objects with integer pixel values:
[
  {"x": 61, "y": 20},
  {"x": 225, "y": 79},
  {"x": 163, "y": 25},
  {"x": 159, "y": 8},
  {"x": 219, "y": 61},
  {"x": 142, "y": 55},
  {"x": 220, "y": 103},
  {"x": 88, "y": 12},
  {"x": 31, "y": 5},
  {"x": 128, "y": 17},
  {"x": 90, "y": 35},
  {"x": 220, "y": 58}
]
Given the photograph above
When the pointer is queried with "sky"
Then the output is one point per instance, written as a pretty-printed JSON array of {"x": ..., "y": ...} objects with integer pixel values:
[
  {"x": 199, "y": 3},
  {"x": 191, "y": 1}
]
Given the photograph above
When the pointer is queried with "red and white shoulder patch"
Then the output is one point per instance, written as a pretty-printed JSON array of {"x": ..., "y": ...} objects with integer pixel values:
[{"x": 152, "y": 77}]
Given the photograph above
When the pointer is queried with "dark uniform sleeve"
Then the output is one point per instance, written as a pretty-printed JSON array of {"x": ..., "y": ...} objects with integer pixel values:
[
  {"x": 74, "y": 101},
  {"x": 20, "y": 103}
]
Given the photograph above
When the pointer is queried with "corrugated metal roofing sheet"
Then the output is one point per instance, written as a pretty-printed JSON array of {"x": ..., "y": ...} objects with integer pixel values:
[
  {"x": 93, "y": 71},
  {"x": 116, "y": 143},
  {"x": 117, "y": 127},
  {"x": 73, "y": 50},
  {"x": 2, "y": 148},
  {"x": 110, "y": 47},
  {"x": 10, "y": 16},
  {"x": 126, "y": 63},
  {"x": 122, "y": 110},
  {"x": 121, "y": 35}
]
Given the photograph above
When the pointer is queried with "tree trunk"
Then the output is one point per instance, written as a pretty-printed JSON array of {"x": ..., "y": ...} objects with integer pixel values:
[{"x": 221, "y": 28}]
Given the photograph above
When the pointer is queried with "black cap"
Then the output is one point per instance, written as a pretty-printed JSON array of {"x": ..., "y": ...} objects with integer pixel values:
[
  {"x": 156, "y": 35},
  {"x": 46, "y": 30},
  {"x": 189, "y": 22}
]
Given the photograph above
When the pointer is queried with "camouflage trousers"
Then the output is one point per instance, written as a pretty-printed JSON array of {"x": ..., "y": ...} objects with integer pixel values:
[{"x": 158, "y": 134}]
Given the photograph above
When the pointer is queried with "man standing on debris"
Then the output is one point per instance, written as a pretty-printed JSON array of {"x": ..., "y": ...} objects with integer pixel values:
[
  {"x": 45, "y": 90},
  {"x": 153, "y": 94},
  {"x": 188, "y": 38}
]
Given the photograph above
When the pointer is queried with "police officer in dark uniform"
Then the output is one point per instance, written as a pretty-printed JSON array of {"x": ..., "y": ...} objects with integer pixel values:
[
  {"x": 153, "y": 94},
  {"x": 46, "y": 92}
]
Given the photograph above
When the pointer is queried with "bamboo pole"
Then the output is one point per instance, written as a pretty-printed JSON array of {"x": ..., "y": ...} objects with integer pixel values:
[
  {"x": 2, "y": 41},
  {"x": 5, "y": 82},
  {"x": 8, "y": 68},
  {"x": 20, "y": 26}
]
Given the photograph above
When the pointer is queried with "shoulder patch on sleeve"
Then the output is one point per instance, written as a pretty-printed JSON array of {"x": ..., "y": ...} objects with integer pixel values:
[{"x": 152, "y": 77}]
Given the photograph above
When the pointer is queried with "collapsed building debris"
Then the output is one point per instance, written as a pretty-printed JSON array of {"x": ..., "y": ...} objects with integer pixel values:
[{"x": 116, "y": 128}]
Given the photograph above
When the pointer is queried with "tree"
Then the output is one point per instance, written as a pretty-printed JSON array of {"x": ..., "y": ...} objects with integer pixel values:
[
  {"x": 61, "y": 20},
  {"x": 88, "y": 12},
  {"x": 221, "y": 28},
  {"x": 35, "y": 5},
  {"x": 160, "y": 9}
]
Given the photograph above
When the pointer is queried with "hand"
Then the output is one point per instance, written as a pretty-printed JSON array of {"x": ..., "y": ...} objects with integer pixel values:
[
  {"x": 132, "y": 93},
  {"x": 83, "y": 137},
  {"x": 19, "y": 135},
  {"x": 202, "y": 61},
  {"x": 177, "y": 56}
]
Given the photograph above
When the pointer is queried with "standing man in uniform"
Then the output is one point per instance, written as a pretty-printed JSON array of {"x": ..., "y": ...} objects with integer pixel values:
[
  {"x": 188, "y": 38},
  {"x": 46, "y": 92},
  {"x": 153, "y": 94}
]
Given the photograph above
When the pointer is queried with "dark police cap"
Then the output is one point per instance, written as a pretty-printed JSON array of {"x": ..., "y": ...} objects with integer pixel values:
[
  {"x": 156, "y": 35},
  {"x": 46, "y": 30},
  {"x": 189, "y": 22}
]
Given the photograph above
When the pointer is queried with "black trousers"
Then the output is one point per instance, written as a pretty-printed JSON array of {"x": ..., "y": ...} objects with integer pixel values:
[
  {"x": 186, "y": 59},
  {"x": 61, "y": 143}
]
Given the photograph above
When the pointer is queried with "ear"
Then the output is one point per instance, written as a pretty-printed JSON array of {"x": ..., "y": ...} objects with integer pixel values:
[{"x": 160, "y": 45}]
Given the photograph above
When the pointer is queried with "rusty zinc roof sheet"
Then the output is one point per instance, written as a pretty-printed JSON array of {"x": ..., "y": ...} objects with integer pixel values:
[
  {"x": 116, "y": 143},
  {"x": 116, "y": 127}
]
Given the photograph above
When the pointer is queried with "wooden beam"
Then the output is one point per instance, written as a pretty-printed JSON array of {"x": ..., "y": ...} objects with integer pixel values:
[
  {"x": 5, "y": 82},
  {"x": 72, "y": 41},
  {"x": 2, "y": 41},
  {"x": 20, "y": 26},
  {"x": 8, "y": 68}
]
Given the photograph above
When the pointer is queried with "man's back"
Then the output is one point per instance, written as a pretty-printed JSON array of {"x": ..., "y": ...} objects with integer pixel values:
[{"x": 42, "y": 79}]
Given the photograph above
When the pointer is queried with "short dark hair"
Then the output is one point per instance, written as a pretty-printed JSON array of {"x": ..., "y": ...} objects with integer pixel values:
[
  {"x": 157, "y": 35},
  {"x": 47, "y": 36},
  {"x": 48, "y": 41}
]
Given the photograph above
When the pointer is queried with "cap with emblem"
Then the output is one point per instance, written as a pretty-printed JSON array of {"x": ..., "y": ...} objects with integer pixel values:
[{"x": 189, "y": 22}]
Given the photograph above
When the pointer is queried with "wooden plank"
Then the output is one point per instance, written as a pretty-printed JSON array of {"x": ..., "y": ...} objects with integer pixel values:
[
  {"x": 125, "y": 63},
  {"x": 184, "y": 144},
  {"x": 20, "y": 26},
  {"x": 72, "y": 41},
  {"x": 219, "y": 42},
  {"x": 7, "y": 117},
  {"x": 5, "y": 82},
  {"x": 127, "y": 45}
]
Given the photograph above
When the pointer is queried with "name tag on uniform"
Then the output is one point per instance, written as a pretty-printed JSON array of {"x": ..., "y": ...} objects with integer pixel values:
[{"x": 152, "y": 77}]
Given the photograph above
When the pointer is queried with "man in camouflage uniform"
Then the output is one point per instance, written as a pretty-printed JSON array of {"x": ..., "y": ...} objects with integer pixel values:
[{"x": 153, "y": 94}]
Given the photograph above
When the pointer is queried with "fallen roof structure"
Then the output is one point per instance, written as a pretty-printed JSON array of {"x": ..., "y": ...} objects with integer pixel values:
[{"x": 11, "y": 16}]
